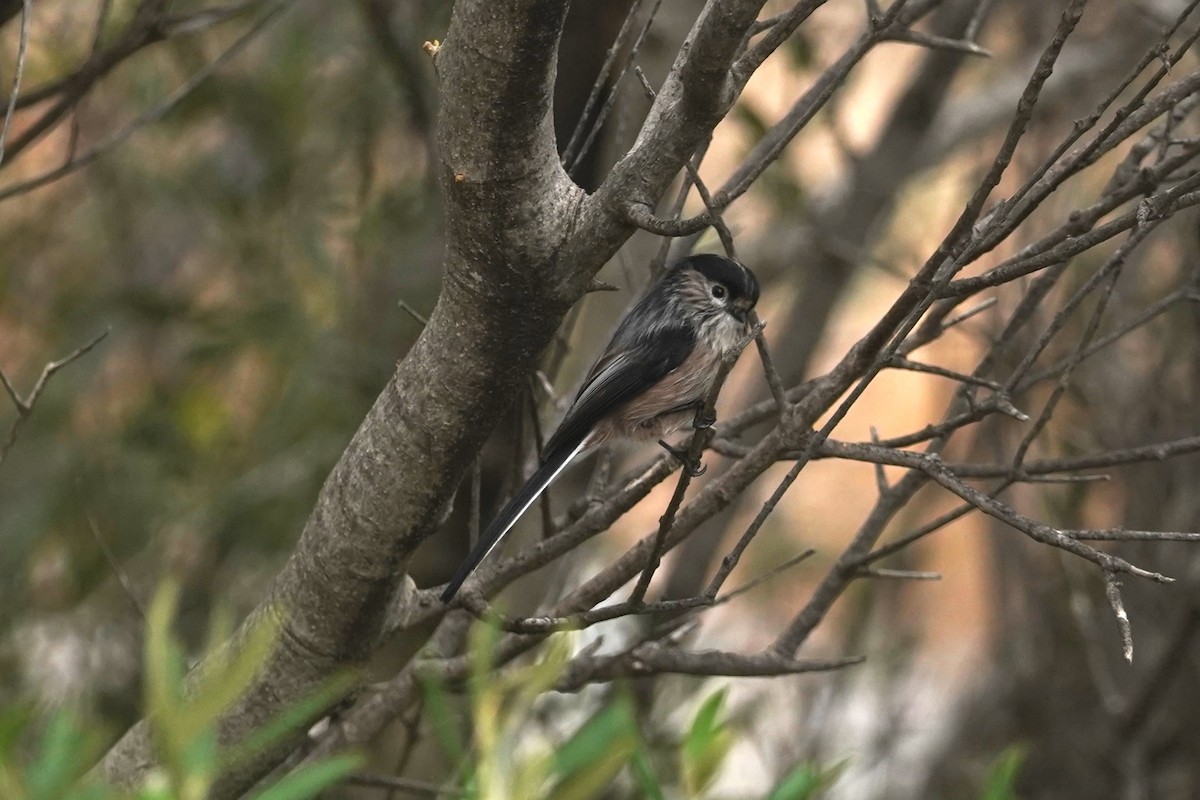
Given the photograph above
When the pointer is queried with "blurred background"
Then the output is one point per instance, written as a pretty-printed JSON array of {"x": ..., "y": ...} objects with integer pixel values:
[{"x": 262, "y": 255}]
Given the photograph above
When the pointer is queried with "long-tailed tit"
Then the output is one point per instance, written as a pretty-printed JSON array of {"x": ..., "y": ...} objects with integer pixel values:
[{"x": 651, "y": 379}]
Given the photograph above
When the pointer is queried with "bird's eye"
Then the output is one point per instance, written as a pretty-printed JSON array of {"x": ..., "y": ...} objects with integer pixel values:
[{"x": 719, "y": 291}]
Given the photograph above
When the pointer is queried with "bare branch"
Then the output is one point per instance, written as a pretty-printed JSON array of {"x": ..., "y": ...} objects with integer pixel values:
[
  {"x": 1122, "y": 535},
  {"x": 654, "y": 658},
  {"x": 540, "y": 626},
  {"x": 1035, "y": 530},
  {"x": 897, "y": 574},
  {"x": 1112, "y": 589},
  {"x": 154, "y": 114},
  {"x": 122, "y": 576},
  {"x": 18, "y": 74},
  {"x": 778, "y": 30},
  {"x": 938, "y": 42},
  {"x": 900, "y": 362},
  {"x": 527, "y": 243},
  {"x": 578, "y": 148},
  {"x": 26, "y": 405}
]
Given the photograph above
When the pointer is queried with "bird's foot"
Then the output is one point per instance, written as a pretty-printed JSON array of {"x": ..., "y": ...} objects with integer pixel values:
[
  {"x": 693, "y": 467},
  {"x": 704, "y": 418}
]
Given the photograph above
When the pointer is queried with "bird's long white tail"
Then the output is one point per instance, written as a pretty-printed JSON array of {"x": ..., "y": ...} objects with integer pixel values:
[{"x": 508, "y": 516}]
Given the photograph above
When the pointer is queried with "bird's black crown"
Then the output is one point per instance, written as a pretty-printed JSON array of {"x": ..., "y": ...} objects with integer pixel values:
[{"x": 739, "y": 280}]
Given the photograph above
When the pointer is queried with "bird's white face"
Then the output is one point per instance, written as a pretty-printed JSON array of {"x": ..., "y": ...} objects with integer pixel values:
[
  {"x": 721, "y": 298},
  {"x": 718, "y": 312}
]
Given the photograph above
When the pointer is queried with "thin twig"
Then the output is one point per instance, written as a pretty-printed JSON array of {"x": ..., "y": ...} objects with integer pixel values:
[
  {"x": 699, "y": 442},
  {"x": 111, "y": 557},
  {"x": 152, "y": 115},
  {"x": 1149, "y": 314},
  {"x": 933, "y": 327},
  {"x": 412, "y": 730},
  {"x": 18, "y": 74},
  {"x": 1045, "y": 180},
  {"x": 693, "y": 171},
  {"x": 659, "y": 261},
  {"x": 937, "y": 42},
  {"x": 774, "y": 379},
  {"x": 897, "y": 574},
  {"x": 1112, "y": 589},
  {"x": 412, "y": 312},
  {"x": 654, "y": 658},
  {"x": 755, "y": 582},
  {"x": 97, "y": 36},
  {"x": 731, "y": 559},
  {"x": 1105, "y": 279},
  {"x": 900, "y": 362},
  {"x": 881, "y": 481},
  {"x": 540, "y": 626},
  {"x": 1122, "y": 535},
  {"x": 474, "y": 514},
  {"x": 26, "y": 405},
  {"x": 598, "y": 123},
  {"x": 1145, "y": 697}
]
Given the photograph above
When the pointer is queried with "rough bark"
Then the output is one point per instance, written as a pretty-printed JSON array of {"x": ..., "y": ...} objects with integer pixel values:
[{"x": 523, "y": 242}]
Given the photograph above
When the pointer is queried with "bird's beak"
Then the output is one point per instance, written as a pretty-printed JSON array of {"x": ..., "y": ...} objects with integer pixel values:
[{"x": 742, "y": 315}]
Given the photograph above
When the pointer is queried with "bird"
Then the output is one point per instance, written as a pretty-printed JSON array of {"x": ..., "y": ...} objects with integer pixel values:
[{"x": 649, "y": 381}]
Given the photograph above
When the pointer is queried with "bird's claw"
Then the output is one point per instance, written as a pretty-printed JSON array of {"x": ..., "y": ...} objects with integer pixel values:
[
  {"x": 693, "y": 467},
  {"x": 704, "y": 419}
]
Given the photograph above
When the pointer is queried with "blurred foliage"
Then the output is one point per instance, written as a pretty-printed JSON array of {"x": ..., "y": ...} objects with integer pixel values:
[
  {"x": 607, "y": 750},
  {"x": 49, "y": 759},
  {"x": 48, "y": 756},
  {"x": 1001, "y": 782},
  {"x": 247, "y": 253}
]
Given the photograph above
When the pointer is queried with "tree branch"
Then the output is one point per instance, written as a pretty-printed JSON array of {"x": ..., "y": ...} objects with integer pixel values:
[
  {"x": 25, "y": 405},
  {"x": 509, "y": 204}
]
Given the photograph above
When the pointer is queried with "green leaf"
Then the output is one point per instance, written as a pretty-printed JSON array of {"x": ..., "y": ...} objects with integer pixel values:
[
  {"x": 705, "y": 724},
  {"x": 805, "y": 781},
  {"x": 164, "y": 669},
  {"x": 1001, "y": 783},
  {"x": 595, "y": 736},
  {"x": 91, "y": 791},
  {"x": 595, "y": 777},
  {"x": 483, "y": 639},
  {"x": 706, "y": 745},
  {"x": 308, "y": 781},
  {"x": 13, "y": 722},
  {"x": 198, "y": 758},
  {"x": 536, "y": 679},
  {"x": 801, "y": 783},
  {"x": 433, "y": 695},
  {"x": 643, "y": 771},
  {"x": 185, "y": 727},
  {"x": 589, "y": 761},
  {"x": 57, "y": 762}
]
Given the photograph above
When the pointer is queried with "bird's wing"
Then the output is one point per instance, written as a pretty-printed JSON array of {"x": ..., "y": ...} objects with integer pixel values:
[{"x": 620, "y": 376}]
